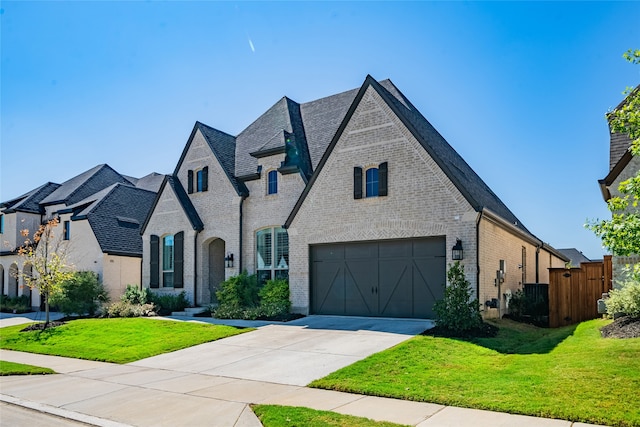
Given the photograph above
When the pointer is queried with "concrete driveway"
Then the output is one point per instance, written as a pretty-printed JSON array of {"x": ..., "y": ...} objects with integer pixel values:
[{"x": 294, "y": 353}]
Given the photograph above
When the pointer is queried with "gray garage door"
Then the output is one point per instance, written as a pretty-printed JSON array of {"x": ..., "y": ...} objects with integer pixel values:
[{"x": 395, "y": 278}]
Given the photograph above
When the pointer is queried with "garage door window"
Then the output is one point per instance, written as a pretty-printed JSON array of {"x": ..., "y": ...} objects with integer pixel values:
[{"x": 272, "y": 254}]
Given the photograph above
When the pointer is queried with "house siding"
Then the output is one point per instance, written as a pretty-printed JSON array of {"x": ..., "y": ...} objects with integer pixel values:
[
  {"x": 620, "y": 263},
  {"x": 421, "y": 201},
  {"x": 497, "y": 243},
  {"x": 263, "y": 210},
  {"x": 169, "y": 218},
  {"x": 219, "y": 209},
  {"x": 118, "y": 272}
]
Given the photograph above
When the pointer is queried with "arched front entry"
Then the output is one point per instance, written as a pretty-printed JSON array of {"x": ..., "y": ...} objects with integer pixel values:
[
  {"x": 12, "y": 291},
  {"x": 216, "y": 267}
]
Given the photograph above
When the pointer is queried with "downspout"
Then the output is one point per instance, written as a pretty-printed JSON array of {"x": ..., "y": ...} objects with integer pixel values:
[
  {"x": 538, "y": 262},
  {"x": 195, "y": 268},
  {"x": 478, "y": 254},
  {"x": 242, "y": 199}
]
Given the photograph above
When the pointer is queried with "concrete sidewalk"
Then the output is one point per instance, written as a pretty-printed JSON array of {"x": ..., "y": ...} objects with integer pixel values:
[{"x": 210, "y": 384}]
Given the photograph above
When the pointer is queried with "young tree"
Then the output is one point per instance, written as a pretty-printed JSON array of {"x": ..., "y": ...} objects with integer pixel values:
[
  {"x": 621, "y": 233},
  {"x": 45, "y": 252}
]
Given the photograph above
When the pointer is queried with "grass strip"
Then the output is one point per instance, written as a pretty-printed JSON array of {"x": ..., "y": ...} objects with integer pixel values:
[
  {"x": 289, "y": 416},
  {"x": 569, "y": 373},
  {"x": 120, "y": 340},
  {"x": 12, "y": 368}
]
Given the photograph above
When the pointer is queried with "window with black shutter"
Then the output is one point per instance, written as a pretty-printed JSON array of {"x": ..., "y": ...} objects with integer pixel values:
[
  {"x": 154, "y": 280},
  {"x": 178, "y": 260},
  {"x": 382, "y": 179},
  {"x": 357, "y": 182},
  {"x": 190, "y": 181}
]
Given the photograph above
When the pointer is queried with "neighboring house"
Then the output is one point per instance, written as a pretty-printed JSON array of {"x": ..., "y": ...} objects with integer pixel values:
[
  {"x": 100, "y": 213},
  {"x": 575, "y": 257},
  {"x": 622, "y": 166},
  {"x": 355, "y": 198}
]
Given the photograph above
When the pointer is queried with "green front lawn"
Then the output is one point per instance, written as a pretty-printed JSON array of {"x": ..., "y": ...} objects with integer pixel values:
[
  {"x": 289, "y": 416},
  {"x": 120, "y": 340},
  {"x": 569, "y": 373},
  {"x": 11, "y": 368}
]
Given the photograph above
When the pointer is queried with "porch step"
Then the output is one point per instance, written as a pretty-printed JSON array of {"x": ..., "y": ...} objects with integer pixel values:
[{"x": 190, "y": 311}]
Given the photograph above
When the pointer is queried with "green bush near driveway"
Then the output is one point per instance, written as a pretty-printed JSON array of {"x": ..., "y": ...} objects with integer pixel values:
[
  {"x": 569, "y": 373},
  {"x": 120, "y": 340},
  {"x": 289, "y": 416},
  {"x": 12, "y": 368}
]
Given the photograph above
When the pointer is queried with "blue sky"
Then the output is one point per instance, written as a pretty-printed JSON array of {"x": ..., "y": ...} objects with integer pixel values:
[{"x": 518, "y": 89}]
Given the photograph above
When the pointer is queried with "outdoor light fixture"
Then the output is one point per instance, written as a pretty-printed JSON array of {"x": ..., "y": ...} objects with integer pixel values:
[
  {"x": 228, "y": 260},
  {"x": 456, "y": 251}
]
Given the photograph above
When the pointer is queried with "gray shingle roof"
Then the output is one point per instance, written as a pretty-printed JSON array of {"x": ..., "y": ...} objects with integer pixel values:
[
  {"x": 30, "y": 202},
  {"x": 574, "y": 256},
  {"x": 151, "y": 182},
  {"x": 81, "y": 186},
  {"x": 116, "y": 218}
]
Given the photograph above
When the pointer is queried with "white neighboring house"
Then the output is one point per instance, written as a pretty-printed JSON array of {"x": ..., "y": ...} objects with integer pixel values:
[
  {"x": 100, "y": 213},
  {"x": 354, "y": 198}
]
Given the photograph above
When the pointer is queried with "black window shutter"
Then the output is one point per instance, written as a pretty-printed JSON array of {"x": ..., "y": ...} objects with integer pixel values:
[
  {"x": 205, "y": 178},
  {"x": 190, "y": 181},
  {"x": 154, "y": 281},
  {"x": 357, "y": 182},
  {"x": 382, "y": 179},
  {"x": 178, "y": 260}
]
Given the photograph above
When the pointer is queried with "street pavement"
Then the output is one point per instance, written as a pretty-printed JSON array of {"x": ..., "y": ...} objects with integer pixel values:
[{"x": 213, "y": 384}]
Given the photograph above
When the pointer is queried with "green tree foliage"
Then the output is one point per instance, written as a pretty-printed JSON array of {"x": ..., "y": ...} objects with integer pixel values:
[
  {"x": 81, "y": 294},
  {"x": 621, "y": 233},
  {"x": 457, "y": 312},
  {"x": 45, "y": 252}
]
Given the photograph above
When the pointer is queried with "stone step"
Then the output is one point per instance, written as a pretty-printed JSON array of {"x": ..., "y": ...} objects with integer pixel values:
[{"x": 190, "y": 311}]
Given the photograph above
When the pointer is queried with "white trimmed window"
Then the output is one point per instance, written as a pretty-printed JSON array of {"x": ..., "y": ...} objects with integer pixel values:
[{"x": 272, "y": 254}]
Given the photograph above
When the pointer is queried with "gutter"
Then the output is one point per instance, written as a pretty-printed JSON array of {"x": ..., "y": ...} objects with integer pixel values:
[
  {"x": 478, "y": 254},
  {"x": 195, "y": 268}
]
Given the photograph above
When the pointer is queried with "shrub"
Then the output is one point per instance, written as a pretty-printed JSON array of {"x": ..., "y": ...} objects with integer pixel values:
[
  {"x": 168, "y": 303},
  {"x": 274, "y": 299},
  {"x": 240, "y": 298},
  {"x": 626, "y": 299},
  {"x": 128, "y": 309},
  {"x": 236, "y": 295},
  {"x": 457, "y": 312},
  {"x": 81, "y": 294},
  {"x": 136, "y": 295},
  {"x": 20, "y": 304}
]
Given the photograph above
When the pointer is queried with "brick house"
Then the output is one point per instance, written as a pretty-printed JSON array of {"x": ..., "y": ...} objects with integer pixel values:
[
  {"x": 355, "y": 198},
  {"x": 622, "y": 166},
  {"x": 100, "y": 213}
]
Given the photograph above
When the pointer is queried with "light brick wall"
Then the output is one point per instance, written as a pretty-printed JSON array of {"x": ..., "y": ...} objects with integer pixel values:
[
  {"x": 422, "y": 201},
  {"x": 219, "y": 210},
  {"x": 169, "y": 218},
  {"x": 118, "y": 272},
  {"x": 263, "y": 210},
  {"x": 497, "y": 243},
  {"x": 13, "y": 224}
]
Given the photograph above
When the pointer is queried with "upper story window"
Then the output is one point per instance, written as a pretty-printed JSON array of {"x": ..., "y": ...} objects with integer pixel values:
[
  {"x": 272, "y": 182},
  {"x": 1, "y": 224},
  {"x": 372, "y": 182},
  {"x": 272, "y": 254},
  {"x": 167, "y": 261},
  {"x": 375, "y": 181},
  {"x": 198, "y": 180},
  {"x": 67, "y": 230}
]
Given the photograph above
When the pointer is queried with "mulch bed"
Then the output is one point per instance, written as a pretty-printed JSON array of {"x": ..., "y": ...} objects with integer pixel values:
[
  {"x": 41, "y": 326},
  {"x": 484, "y": 331},
  {"x": 623, "y": 327}
]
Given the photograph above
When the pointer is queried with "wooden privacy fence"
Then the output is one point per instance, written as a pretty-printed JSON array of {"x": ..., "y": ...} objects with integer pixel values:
[{"x": 574, "y": 292}]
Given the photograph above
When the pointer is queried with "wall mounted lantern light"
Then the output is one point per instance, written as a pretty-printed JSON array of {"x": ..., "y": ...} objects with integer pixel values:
[
  {"x": 228, "y": 260},
  {"x": 457, "y": 253}
]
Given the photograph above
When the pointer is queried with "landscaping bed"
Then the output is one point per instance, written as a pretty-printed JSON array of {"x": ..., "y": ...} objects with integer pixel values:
[{"x": 624, "y": 327}]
